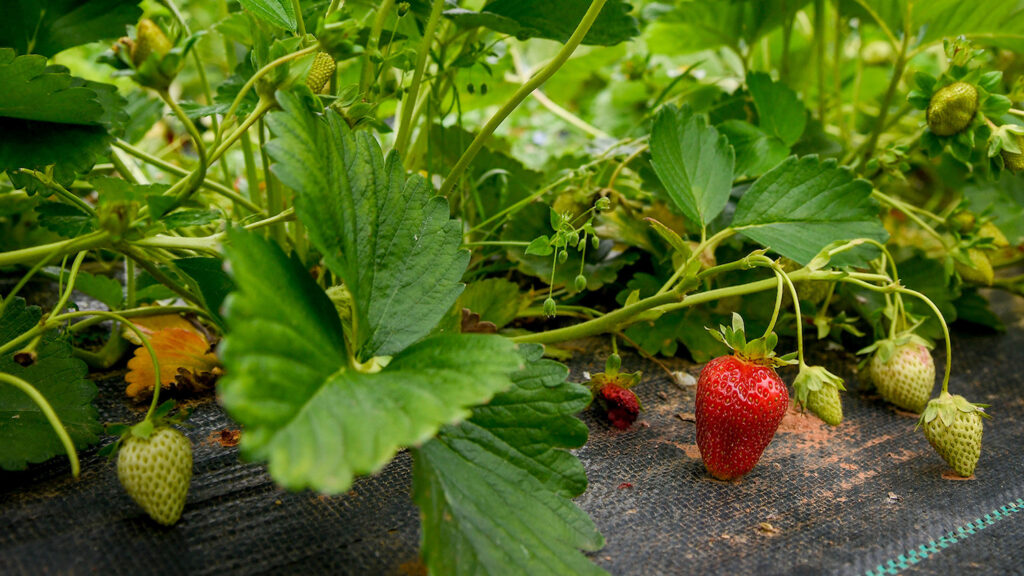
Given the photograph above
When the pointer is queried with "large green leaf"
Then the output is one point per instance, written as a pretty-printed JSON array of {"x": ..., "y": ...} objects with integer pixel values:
[
  {"x": 693, "y": 161},
  {"x": 389, "y": 237},
  {"x": 999, "y": 22},
  {"x": 552, "y": 20},
  {"x": 803, "y": 205},
  {"x": 26, "y": 436},
  {"x": 779, "y": 110},
  {"x": 276, "y": 12},
  {"x": 694, "y": 25},
  {"x": 315, "y": 419},
  {"x": 756, "y": 151},
  {"x": 50, "y": 118},
  {"x": 494, "y": 490},
  {"x": 48, "y": 26}
]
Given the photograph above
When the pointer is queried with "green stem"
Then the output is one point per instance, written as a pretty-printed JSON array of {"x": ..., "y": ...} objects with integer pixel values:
[
  {"x": 778, "y": 305},
  {"x": 51, "y": 416},
  {"x": 521, "y": 94},
  {"x": 945, "y": 333},
  {"x": 373, "y": 44},
  {"x": 61, "y": 191},
  {"x": 819, "y": 42},
  {"x": 179, "y": 171},
  {"x": 300, "y": 26},
  {"x": 910, "y": 212},
  {"x": 141, "y": 259},
  {"x": 607, "y": 323},
  {"x": 72, "y": 276},
  {"x": 252, "y": 82},
  {"x": 54, "y": 249},
  {"x": 883, "y": 112},
  {"x": 409, "y": 103}
]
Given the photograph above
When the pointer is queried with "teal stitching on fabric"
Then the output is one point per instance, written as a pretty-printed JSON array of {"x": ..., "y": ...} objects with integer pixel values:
[{"x": 911, "y": 557}]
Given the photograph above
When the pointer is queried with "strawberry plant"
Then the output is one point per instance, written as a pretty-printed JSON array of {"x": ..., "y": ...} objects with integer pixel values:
[{"x": 371, "y": 227}]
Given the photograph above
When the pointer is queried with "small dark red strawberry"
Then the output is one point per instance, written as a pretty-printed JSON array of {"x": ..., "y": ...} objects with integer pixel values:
[
  {"x": 740, "y": 403},
  {"x": 621, "y": 404},
  {"x": 612, "y": 391}
]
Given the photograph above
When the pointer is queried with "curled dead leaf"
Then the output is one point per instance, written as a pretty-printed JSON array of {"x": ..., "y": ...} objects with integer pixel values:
[{"x": 186, "y": 363}]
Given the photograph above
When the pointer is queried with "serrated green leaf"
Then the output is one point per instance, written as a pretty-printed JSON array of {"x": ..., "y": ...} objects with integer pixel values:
[
  {"x": 496, "y": 300},
  {"x": 540, "y": 246},
  {"x": 49, "y": 117},
  {"x": 103, "y": 288},
  {"x": 756, "y": 151},
  {"x": 802, "y": 205},
  {"x": 779, "y": 110},
  {"x": 693, "y": 161},
  {"x": 26, "y": 436},
  {"x": 552, "y": 20},
  {"x": 316, "y": 420},
  {"x": 694, "y": 26},
  {"x": 276, "y": 12},
  {"x": 389, "y": 237},
  {"x": 47, "y": 27},
  {"x": 494, "y": 490},
  {"x": 64, "y": 219},
  {"x": 183, "y": 218},
  {"x": 210, "y": 278}
]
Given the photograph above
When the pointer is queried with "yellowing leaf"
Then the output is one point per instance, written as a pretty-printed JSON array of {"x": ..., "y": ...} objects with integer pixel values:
[
  {"x": 150, "y": 325},
  {"x": 185, "y": 362}
]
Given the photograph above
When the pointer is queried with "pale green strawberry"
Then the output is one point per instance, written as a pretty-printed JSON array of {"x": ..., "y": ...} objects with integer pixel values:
[
  {"x": 952, "y": 108},
  {"x": 817, "y": 390},
  {"x": 953, "y": 427},
  {"x": 156, "y": 472},
  {"x": 904, "y": 374},
  {"x": 320, "y": 72}
]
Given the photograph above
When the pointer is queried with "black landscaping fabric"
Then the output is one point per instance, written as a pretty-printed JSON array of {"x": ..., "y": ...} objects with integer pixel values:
[{"x": 870, "y": 496}]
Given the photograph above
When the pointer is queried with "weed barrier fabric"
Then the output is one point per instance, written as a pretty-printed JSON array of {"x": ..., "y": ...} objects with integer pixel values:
[{"x": 868, "y": 497}]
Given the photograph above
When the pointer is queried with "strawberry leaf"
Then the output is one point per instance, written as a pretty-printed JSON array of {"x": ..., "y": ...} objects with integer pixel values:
[
  {"x": 693, "y": 161},
  {"x": 47, "y": 27},
  {"x": 49, "y": 117},
  {"x": 552, "y": 20},
  {"x": 494, "y": 490},
  {"x": 779, "y": 111},
  {"x": 390, "y": 238},
  {"x": 26, "y": 436},
  {"x": 315, "y": 419},
  {"x": 803, "y": 205},
  {"x": 276, "y": 12}
]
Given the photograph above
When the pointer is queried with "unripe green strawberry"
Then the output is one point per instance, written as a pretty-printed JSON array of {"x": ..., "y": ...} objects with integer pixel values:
[
  {"x": 979, "y": 271},
  {"x": 826, "y": 404},
  {"x": 1013, "y": 161},
  {"x": 953, "y": 427},
  {"x": 904, "y": 374},
  {"x": 149, "y": 39},
  {"x": 320, "y": 72},
  {"x": 817, "y": 390},
  {"x": 952, "y": 108},
  {"x": 156, "y": 472},
  {"x": 990, "y": 230}
]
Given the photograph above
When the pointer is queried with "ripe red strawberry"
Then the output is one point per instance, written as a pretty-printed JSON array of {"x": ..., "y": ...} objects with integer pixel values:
[
  {"x": 740, "y": 403},
  {"x": 156, "y": 472},
  {"x": 953, "y": 427},
  {"x": 612, "y": 391}
]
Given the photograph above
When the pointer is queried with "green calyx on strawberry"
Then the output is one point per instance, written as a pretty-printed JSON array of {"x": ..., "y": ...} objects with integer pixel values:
[
  {"x": 612, "y": 391},
  {"x": 154, "y": 59},
  {"x": 903, "y": 371},
  {"x": 953, "y": 427},
  {"x": 817, "y": 390},
  {"x": 740, "y": 403},
  {"x": 952, "y": 108},
  {"x": 154, "y": 464}
]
